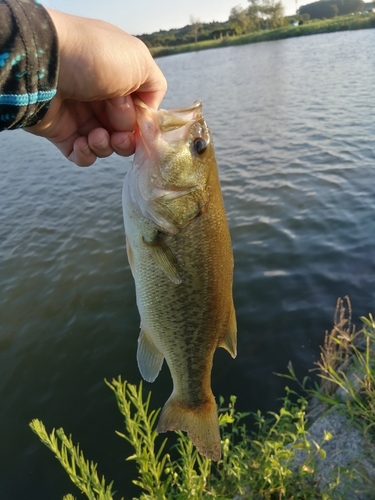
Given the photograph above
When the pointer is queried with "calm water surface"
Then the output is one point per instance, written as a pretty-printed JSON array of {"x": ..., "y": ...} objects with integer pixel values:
[{"x": 293, "y": 123}]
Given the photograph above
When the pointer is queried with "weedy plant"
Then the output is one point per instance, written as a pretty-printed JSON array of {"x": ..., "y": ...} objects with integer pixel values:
[
  {"x": 347, "y": 367},
  {"x": 81, "y": 472},
  {"x": 256, "y": 464}
]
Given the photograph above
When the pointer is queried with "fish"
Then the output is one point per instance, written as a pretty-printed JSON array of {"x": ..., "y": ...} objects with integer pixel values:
[{"x": 180, "y": 254}]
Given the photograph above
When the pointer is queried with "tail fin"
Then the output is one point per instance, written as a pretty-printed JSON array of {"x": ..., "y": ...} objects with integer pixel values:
[{"x": 201, "y": 424}]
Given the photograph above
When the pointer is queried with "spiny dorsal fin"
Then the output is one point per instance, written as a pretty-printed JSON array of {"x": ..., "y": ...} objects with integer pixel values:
[
  {"x": 164, "y": 258},
  {"x": 229, "y": 342},
  {"x": 149, "y": 358}
]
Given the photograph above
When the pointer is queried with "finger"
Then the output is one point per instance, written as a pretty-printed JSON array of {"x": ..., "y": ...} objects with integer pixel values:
[
  {"x": 123, "y": 143},
  {"x": 82, "y": 154},
  {"x": 100, "y": 143},
  {"x": 121, "y": 113},
  {"x": 154, "y": 88},
  {"x": 152, "y": 99}
]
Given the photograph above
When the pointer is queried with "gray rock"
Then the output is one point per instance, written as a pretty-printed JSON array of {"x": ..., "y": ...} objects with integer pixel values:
[{"x": 347, "y": 448}]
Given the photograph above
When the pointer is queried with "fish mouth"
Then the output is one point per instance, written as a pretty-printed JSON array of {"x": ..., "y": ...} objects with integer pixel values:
[
  {"x": 175, "y": 111},
  {"x": 172, "y": 119},
  {"x": 179, "y": 117},
  {"x": 172, "y": 126}
]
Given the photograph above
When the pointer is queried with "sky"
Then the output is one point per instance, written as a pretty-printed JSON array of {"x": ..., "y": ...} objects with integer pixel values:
[{"x": 147, "y": 16}]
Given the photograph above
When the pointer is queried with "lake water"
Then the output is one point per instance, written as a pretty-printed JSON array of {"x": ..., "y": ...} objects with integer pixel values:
[{"x": 293, "y": 124}]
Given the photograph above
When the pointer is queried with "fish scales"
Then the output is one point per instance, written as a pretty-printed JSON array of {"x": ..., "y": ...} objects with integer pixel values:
[
  {"x": 182, "y": 263},
  {"x": 194, "y": 306}
]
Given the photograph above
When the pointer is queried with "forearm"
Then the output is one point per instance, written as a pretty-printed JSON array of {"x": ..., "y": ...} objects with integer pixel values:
[{"x": 29, "y": 63}]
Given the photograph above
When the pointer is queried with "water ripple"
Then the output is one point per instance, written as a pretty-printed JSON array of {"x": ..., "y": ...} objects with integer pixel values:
[{"x": 293, "y": 126}]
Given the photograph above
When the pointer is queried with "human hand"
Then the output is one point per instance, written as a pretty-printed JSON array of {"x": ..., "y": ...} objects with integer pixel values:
[{"x": 101, "y": 66}]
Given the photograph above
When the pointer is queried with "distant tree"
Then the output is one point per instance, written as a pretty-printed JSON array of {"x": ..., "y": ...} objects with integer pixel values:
[
  {"x": 255, "y": 12},
  {"x": 266, "y": 13},
  {"x": 195, "y": 25},
  {"x": 331, "y": 8},
  {"x": 274, "y": 12},
  {"x": 239, "y": 20},
  {"x": 349, "y": 6},
  {"x": 179, "y": 36}
]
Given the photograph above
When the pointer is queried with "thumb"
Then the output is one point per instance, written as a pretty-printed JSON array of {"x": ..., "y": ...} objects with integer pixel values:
[{"x": 121, "y": 114}]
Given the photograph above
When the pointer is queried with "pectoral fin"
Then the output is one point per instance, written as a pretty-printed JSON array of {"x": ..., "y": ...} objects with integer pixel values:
[
  {"x": 164, "y": 258},
  {"x": 229, "y": 342},
  {"x": 149, "y": 358}
]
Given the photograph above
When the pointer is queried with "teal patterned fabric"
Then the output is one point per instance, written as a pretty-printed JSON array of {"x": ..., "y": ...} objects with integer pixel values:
[{"x": 28, "y": 63}]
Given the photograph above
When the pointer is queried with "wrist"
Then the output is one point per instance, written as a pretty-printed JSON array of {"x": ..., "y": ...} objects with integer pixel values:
[{"x": 56, "y": 17}]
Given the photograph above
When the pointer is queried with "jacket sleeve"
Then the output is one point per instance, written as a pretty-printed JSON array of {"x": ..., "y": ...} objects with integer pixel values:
[{"x": 29, "y": 63}]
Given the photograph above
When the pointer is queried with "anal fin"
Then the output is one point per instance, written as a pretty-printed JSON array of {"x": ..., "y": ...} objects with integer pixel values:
[
  {"x": 229, "y": 341},
  {"x": 149, "y": 358}
]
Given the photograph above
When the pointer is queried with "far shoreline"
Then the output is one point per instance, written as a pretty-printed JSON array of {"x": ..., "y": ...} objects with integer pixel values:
[{"x": 319, "y": 26}]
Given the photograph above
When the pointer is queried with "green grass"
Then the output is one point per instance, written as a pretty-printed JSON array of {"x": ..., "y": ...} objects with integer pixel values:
[
  {"x": 256, "y": 464},
  {"x": 257, "y": 460},
  {"x": 341, "y": 23}
]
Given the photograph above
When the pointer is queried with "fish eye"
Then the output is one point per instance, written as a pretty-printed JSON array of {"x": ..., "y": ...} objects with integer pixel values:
[{"x": 200, "y": 145}]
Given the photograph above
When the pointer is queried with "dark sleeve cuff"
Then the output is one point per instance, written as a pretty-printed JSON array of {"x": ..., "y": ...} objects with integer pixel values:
[{"x": 29, "y": 61}]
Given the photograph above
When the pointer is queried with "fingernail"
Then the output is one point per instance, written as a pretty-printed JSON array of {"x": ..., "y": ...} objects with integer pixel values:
[
  {"x": 123, "y": 101},
  {"x": 124, "y": 143},
  {"x": 86, "y": 151},
  {"x": 102, "y": 144}
]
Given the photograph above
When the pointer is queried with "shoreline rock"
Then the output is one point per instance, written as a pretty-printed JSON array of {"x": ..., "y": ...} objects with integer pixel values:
[{"x": 347, "y": 451}]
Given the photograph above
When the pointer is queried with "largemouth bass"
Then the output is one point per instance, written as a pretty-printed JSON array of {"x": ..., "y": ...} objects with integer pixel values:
[{"x": 180, "y": 254}]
